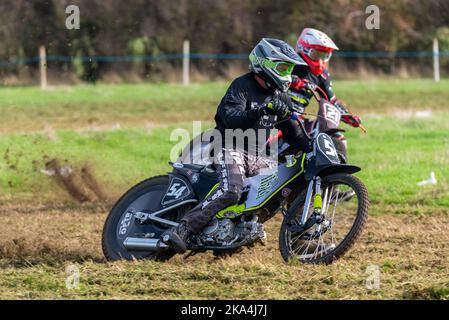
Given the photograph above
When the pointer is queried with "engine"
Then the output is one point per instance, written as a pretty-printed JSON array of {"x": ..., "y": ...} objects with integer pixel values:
[{"x": 225, "y": 232}]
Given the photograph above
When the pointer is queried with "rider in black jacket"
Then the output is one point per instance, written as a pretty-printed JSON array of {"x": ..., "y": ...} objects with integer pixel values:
[{"x": 256, "y": 100}]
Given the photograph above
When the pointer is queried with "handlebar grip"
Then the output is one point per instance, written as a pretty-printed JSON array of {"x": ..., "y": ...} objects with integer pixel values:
[{"x": 295, "y": 115}]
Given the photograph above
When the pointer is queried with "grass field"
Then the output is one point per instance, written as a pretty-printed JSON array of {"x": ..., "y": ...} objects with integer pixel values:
[
  {"x": 111, "y": 136},
  {"x": 104, "y": 106}
]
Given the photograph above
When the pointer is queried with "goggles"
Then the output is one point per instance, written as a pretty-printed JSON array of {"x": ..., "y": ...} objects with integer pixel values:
[
  {"x": 284, "y": 68},
  {"x": 316, "y": 55}
]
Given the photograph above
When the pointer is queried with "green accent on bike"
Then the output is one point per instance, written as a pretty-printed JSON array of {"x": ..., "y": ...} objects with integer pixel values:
[
  {"x": 212, "y": 190},
  {"x": 291, "y": 165},
  {"x": 317, "y": 202},
  {"x": 235, "y": 209},
  {"x": 238, "y": 209}
]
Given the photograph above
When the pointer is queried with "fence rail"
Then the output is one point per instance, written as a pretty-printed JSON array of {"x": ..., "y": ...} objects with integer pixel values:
[
  {"x": 217, "y": 56},
  {"x": 42, "y": 60}
]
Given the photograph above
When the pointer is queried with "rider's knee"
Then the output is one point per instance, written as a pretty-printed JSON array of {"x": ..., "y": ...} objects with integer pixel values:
[{"x": 232, "y": 196}]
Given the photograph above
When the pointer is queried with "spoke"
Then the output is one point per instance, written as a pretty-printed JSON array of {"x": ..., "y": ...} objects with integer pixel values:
[
  {"x": 320, "y": 241},
  {"x": 331, "y": 228},
  {"x": 325, "y": 237},
  {"x": 333, "y": 218},
  {"x": 296, "y": 251},
  {"x": 308, "y": 245},
  {"x": 326, "y": 193},
  {"x": 329, "y": 198},
  {"x": 335, "y": 206},
  {"x": 328, "y": 205},
  {"x": 293, "y": 240},
  {"x": 333, "y": 238},
  {"x": 296, "y": 238}
]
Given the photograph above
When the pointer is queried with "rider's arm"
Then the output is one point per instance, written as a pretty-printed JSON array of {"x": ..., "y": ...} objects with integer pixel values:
[
  {"x": 325, "y": 84},
  {"x": 232, "y": 109},
  {"x": 347, "y": 116},
  {"x": 292, "y": 133}
]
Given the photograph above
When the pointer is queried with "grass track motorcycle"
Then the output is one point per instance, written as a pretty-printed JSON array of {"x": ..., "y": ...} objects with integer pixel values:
[{"x": 324, "y": 207}]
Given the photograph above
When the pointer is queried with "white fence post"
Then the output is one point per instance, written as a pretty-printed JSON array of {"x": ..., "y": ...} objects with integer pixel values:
[
  {"x": 43, "y": 66},
  {"x": 186, "y": 62},
  {"x": 436, "y": 61}
]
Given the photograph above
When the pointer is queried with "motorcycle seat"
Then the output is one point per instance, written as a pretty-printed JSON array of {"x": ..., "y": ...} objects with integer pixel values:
[{"x": 208, "y": 168}]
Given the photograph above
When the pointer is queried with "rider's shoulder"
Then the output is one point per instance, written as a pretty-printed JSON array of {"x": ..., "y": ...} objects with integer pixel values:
[
  {"x": 243, "y": 79},
  {"x": 242, "y": 82}
]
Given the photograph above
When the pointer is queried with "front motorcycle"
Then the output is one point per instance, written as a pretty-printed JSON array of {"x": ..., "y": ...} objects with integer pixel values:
[{"x": 310, "y": 189}]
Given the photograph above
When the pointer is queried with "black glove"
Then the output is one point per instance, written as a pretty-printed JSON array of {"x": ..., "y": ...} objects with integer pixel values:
[{"x": 277, "y": 107}]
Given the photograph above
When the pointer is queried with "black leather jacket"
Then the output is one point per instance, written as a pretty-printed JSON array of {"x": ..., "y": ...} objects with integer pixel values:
[{"x": 239, "y": 109}]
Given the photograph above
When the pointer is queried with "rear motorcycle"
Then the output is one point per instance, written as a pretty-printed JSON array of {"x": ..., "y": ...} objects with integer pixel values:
[
  {"x": 328, "y": 119},
  {"x": 320, "y": 222}
]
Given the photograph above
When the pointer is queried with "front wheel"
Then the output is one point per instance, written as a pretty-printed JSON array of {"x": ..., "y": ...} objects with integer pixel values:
[
  {"x": 121, "y": 223},
  {"x": 345, "y": 211}
]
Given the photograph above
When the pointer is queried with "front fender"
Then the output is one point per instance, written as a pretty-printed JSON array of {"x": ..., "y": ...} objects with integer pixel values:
[
  {"x": 328, "y": 169},
  {"x": 338, "y": 168}
]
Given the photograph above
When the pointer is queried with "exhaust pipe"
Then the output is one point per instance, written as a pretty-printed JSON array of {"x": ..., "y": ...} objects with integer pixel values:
[{"x": 144, "y": 244}]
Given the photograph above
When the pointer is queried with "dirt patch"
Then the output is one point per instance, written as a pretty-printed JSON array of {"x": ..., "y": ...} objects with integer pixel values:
[
  {"x": 91, "y": 182},
  {"x": 410, "y": 252},
  {"x": 50, "y": 235},
  {"x": 79, "y": 182}
]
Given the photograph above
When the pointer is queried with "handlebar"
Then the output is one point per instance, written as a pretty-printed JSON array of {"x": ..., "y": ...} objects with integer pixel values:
[{"x": 297, "y": 117}]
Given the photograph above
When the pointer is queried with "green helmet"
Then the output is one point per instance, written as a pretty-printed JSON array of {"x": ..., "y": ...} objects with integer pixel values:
[{"x": 273, "y": 60}]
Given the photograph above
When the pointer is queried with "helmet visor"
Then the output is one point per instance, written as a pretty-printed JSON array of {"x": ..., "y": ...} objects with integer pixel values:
[
  {"x": 284, "y": 68},
  {"x": 316, "y": 55}
]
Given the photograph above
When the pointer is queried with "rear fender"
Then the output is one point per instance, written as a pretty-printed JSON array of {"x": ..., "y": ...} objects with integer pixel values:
[
  {"x": 200, "y": 178},
  {"x": 179, "y": 189}
]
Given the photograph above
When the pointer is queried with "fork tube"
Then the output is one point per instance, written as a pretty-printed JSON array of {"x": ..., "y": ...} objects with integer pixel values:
[
  {"x": 318, "y": 186},
  {"x": 326, "y": 191},
  {"x": 305, "y": 211}
]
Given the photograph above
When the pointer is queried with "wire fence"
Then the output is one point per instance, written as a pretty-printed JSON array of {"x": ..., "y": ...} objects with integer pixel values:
[
  {"x": 99, "y": 67},
  {"x": 215, "y": 56}
]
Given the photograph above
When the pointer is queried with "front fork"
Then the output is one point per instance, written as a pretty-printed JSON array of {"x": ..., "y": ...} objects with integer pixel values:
[{"x": 315, "y": 183}]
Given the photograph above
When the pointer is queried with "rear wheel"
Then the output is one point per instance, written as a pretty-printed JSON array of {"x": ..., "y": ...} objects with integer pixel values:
[
  {"x": 121, "y": 223},
  {"x": 345, "y": 210}
]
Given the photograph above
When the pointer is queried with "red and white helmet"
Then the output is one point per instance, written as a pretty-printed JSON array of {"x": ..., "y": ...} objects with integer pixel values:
[{"x": 316, "y": 48}]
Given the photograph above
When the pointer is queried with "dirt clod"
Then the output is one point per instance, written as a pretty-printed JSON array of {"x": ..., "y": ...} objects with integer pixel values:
[{"x": 80, "y": 183}]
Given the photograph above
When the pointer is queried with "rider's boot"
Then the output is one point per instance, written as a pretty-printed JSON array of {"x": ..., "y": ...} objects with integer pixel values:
[{"x": 176, "y": 237}]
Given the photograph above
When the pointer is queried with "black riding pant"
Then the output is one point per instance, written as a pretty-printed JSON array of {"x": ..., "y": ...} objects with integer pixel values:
[{"x": 232, "y": 167}]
